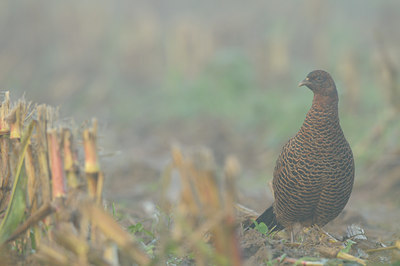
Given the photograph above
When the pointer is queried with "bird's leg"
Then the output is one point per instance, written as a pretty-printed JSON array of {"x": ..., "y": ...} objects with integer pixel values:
[
  {"x": 291, "y": 230},
  {"x": 295, "y": 229}
]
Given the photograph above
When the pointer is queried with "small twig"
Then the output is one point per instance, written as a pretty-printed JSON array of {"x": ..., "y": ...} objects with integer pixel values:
[
  {"x": 397, "y": 245},
  {"x": 346, "y": 256},
  {"x": 335, "y": 253},
  {"x": 329, "y": 235},
  {"x": 247, "y": 211},
  {"x": 299, "y": 261}
]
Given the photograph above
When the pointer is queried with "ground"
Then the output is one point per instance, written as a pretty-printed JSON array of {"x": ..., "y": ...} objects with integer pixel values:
[{"x": 373, "y": 206}]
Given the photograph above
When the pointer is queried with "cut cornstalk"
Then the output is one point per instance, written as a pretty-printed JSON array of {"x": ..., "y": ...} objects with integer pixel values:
[
  {"x": 232, "y": 250},
  {"x": 70, "y": 158},
  {"x": 44, "y": 174},
  {"x": 4, "y": 143},
  {"x": 14, "y": 120},
  {"x": 31, "y": 174},
  {"x": 99, "y": 189},
  {"x": 92, "y": 167},
  {"x": 56, "y": 164},
  {"x": 4, "y": 110},
  {"x": 90, "y": 146},
  {"x": 5, "y": 167},
  {"x": 188, "y": 209},
  {"x": 187, "y": 201}
]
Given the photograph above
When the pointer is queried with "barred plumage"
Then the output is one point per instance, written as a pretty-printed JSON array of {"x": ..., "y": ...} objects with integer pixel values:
[{"x": 314, "y": 173}]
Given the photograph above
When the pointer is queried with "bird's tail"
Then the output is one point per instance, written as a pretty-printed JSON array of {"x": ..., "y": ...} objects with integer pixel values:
[{"x": 268, "y": 217}]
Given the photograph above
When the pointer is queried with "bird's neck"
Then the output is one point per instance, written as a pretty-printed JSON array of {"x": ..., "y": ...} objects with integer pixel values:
[
  {"x": 323, "y": 113},
  {"x": 321, "y": 123},
  {"x": 325, "y": 104}
]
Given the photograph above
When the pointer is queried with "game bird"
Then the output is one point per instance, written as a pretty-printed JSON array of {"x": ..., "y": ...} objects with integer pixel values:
[{"x": 314, "y": 174}]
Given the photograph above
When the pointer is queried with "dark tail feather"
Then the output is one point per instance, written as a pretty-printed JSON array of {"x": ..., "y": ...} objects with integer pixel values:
[{"x": 268, "y": 217}]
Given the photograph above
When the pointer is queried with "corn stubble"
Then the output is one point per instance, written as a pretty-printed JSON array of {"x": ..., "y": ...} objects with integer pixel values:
[
  {"x": 204, "y": 214},
  {"x": 51, "y": 199},
  {"x": 49, "y": 207}
]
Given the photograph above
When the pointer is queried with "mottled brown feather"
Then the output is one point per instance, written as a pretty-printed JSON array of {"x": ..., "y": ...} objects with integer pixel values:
[{"x": 314, "y": 173}]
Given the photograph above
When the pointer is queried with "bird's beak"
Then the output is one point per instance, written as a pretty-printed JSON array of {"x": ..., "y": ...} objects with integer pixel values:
[{"x": 305, "y": 82}]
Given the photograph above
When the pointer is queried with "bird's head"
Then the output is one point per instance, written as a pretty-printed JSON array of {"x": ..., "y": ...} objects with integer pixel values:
[{"x": 320, "y": 82}]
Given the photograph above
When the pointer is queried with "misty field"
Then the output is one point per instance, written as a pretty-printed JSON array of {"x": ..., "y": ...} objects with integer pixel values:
[{"x": 137, "y": 132}]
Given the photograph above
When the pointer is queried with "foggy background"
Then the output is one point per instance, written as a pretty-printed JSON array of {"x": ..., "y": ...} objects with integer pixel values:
[{"x": 203, "y": 73}]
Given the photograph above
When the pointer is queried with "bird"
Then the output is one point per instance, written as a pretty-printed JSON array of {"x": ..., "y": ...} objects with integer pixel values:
[{"x": 314, "y": 173}]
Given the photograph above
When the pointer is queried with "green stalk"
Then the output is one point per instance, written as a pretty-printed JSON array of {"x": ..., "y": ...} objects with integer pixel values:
[{"x": 16, "y": 207}]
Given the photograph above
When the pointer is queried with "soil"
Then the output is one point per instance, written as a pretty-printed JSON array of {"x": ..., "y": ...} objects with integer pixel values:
[{"x": 374, "y": 206}]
